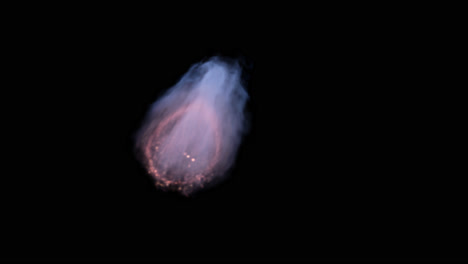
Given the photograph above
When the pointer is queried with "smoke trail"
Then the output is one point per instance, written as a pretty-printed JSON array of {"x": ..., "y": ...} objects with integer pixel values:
[{"x": 191, "y": 134}]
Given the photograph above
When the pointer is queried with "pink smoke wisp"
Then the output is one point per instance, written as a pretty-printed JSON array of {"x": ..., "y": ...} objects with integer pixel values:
[{"x": 192, "y": 133}]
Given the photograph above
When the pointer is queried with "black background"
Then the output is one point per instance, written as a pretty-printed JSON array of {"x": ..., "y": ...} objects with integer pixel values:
[{"x": 339, "y": 161}]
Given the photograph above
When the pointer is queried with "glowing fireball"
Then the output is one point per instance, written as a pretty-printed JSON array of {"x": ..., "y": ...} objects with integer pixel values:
[{"x": 191, "y": 134}]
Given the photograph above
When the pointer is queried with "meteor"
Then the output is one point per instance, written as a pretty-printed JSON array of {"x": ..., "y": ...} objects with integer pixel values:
[{"x": 191, "y": 134}]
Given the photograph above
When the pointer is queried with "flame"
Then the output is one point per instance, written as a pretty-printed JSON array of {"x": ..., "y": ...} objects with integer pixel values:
[{"x": 191, "y": 134}]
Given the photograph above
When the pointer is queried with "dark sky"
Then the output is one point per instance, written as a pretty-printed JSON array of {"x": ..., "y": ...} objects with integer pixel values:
[{"x": 337, "y": 162}]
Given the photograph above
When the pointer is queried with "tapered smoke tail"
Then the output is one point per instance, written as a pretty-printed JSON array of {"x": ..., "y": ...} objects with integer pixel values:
[{"x": 191, "y": 134}]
